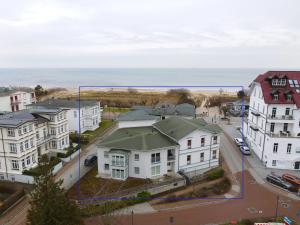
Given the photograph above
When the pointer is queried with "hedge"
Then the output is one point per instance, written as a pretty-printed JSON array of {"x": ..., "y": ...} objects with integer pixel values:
[
  {"x": 36, "y": 171},
  {"x": 70, "y": 151},
  {"x": 215, "y": 174}
]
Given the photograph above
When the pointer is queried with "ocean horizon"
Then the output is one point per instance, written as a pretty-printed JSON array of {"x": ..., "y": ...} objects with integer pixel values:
[{"x": 74, "y": 77}]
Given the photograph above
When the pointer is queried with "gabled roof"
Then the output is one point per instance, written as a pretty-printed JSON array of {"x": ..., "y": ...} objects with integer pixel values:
[
  {"x": 177, "y": 127},
  {"x": 136, "y": 115},
  {"x": 64, "y": 103},
  {"x": 137, "y": 138},
  {"x": 265, "y": 82}
]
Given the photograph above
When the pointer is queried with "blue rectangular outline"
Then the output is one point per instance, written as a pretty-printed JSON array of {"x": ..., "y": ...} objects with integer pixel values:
[{"x": 87, "y": 200}]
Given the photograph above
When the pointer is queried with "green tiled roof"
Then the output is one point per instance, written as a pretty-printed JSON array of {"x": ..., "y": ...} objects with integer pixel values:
[
  {"x": 177, "y": 127},
  {"x": 137, "y": 138}
]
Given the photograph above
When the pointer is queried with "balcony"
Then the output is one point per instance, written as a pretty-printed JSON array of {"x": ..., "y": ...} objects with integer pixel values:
[
  {"x": 42, "y": 140},
  {"x": 171, "y": 157},
  {"x": 282, "y": 134},
  {"x": 282, "y": 117}
]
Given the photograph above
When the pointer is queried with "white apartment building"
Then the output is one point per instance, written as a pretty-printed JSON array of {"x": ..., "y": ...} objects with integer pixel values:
[
  {"x": 89, "y": 113},
  {"x": 27, "y": 134},
  {"x": 15, "y": 101},
  {"x": 272, "y": 129},
  {"x": 171, "y": 145}
]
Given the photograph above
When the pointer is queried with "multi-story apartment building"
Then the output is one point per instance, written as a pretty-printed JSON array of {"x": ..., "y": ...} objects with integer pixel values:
[
  {"x": 171, "y": 145},
  {"x": 15, "y": 101},
  {"x": 27, "y": 134},
  {"x": 272, "y": 128},
  {"x": 89, "y": 113}
]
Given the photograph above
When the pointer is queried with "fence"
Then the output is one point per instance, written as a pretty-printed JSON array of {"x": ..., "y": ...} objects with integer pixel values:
[{"x": 70, "y": 157}]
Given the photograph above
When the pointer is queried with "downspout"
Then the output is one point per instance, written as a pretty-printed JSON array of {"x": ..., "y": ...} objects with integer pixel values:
[
  {"x": 210, "y": 151},
  {"x": 4, "y": 153},
  {"x": 265, "y": 134}
]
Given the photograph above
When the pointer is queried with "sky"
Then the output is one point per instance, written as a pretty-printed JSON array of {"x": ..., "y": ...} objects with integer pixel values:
[{"x": 150, "y": 33}]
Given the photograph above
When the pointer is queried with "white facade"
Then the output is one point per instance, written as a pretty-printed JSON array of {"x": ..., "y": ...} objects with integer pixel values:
[
  {"x": 139, "y": 164},
  {"x": 89, "y": 114},
  {"x": 22, "y": 144},
  {"x": 195, "y": 153},
  {"x": 16, "y": 101},
  {"x": 199, "y": 150},
  {"x": 272, "y": 131}
]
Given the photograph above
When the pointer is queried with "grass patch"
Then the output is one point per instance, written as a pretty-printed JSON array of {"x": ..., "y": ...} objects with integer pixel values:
[
  {"x": 214, "y": 174},
  {"x": 91, "y": 185},
  {"x": 110, "y": 206},
  {"x": 116, "y": 109}
]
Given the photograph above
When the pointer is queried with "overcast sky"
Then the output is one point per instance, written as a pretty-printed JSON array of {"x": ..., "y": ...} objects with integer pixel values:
[{"x": 150, "y": 33}]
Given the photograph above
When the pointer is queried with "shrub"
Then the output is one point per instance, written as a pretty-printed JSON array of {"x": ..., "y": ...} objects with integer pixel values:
[
  {"x": 84, "y": 139},
  {"x": 215, "y": 174}
]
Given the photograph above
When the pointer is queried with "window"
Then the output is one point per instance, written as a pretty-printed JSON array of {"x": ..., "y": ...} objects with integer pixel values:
[
  {"x": 28, "y": 160},
  {"x": 272, "y": 127},
  {"x": 155, "y": 158},
  {"x": 202, "y": 157},
  {"x": 137, "y": 170},
  {"x": 20, "y": 131},
  {"x": 106, "y": 166},
  {"x": 287, "y": 111},
  {"x": 214, "y": 154},
  {"x": 106, "y": 154},
  {"x": 53, "y": 144},
  {"x": 62, "y": 128},
  {"x": 189, "y": 144},
  {"x": 215, "y": 139},
  {"x": 25, "y": 129},
  {"x": 118, "y": 160},
  {"x": 188, "y": 159},
  {"x": 202, "y": 142},
  {"x": 273, "y": 113},
  {"x": 30, "y": 127},
  {"x": 155, "y": 170},
  {"x": 52, "y": 118},
  {"x": 21, "y": 147},
  {"x": 276, "y": 97},
  {"x": 33, "y": 158},
  {"x": 275, "y": 148},
  {"x": 285, "y": 127},
  {"x": 10, "y": 132},
  {"x": 289, "y": 148},
  {"x": 15, "y": 164},
  {"x": 274, "y": 162},
  {"x": 118, "y": 174},
  {"x": 136, "y": 157},
  {"x": 289, "y": 97},
  {"x": 13, "y": 148},
  {"x": 31, "y": 143},
  {"x": 23, "y": 163}
]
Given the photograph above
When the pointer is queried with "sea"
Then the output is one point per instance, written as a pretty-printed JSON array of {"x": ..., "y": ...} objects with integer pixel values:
[{"x": 75, "y": 77}]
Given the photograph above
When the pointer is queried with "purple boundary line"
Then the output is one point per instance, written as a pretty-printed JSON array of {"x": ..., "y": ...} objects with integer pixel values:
[{"x": 82, "y": 200}]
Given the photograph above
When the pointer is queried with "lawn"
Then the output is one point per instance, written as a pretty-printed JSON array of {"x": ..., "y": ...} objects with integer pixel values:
[
  {"x": 105, "y": 124},
  {"x": 92, "y": 186},
  {"x": 116, "y": 109}
]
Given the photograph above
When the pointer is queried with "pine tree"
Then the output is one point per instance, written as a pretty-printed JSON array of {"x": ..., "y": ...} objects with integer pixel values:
[{"x": 49, "y": 203}]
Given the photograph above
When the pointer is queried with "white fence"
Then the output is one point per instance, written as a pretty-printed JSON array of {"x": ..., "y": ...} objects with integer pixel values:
[
  {"x": 20, "y": 178},
  {"x": 72, "y": 156}
]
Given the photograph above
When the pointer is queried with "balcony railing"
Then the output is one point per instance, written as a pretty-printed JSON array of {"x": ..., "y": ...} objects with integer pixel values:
[
  {"x": 283, "y": 134},
  {"x": 171, "y": 157},
  {"x": 282, "y": 117},
  {"x": 44, "y": 139}
]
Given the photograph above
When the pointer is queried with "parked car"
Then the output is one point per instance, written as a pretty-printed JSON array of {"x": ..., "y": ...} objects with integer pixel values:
[
  {"x": 245, "y": 150},
  {"x": 90, "y": 160},
  {"x": 294, "y": 180},
  {"x": 278, "y": 181},
  {"x": 238, "y": 141}
]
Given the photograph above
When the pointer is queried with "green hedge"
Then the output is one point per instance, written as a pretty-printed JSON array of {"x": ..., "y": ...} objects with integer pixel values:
[
  {"x": 37, "y": 170},
  {"x": 110, "y": 206},
  {"x": 215, "y": 174},
  {"x": 70, "y": 151},
  {"x": 84, "y": 139}
]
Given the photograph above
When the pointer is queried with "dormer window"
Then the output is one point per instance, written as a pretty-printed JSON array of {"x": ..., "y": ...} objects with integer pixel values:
[
  {"x": 278, "y": 82},
  {"x": 275, "y": 97},
  {"x": 289, "y": 97}
]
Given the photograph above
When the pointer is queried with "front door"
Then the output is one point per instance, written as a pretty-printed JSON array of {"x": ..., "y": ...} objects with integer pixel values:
[{"x": 297, "y": 165}]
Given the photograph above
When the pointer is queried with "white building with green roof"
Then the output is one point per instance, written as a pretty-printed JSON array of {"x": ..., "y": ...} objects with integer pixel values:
[{"x": 171, "y": 145}]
